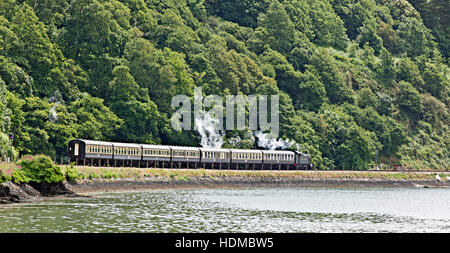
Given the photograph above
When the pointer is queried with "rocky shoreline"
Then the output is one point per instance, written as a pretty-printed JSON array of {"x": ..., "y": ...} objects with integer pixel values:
[{"x": 15, "y": 193}]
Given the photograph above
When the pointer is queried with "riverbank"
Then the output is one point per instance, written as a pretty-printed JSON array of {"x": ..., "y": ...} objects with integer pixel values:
[
  {"x": 86, "y": 186},
  {"x": 96, "y": 179},
  {"x": 93, "y": 179}
]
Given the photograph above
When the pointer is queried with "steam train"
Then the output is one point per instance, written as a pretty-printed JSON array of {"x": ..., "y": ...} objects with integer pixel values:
[{"x": 99, "y": 153}]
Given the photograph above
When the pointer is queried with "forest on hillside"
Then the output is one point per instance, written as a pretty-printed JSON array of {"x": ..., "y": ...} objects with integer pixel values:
[{"x": 357, "y": 79}]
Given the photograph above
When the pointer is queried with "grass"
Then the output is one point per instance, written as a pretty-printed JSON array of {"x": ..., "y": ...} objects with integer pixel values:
[{"x": 186, "y": 174}]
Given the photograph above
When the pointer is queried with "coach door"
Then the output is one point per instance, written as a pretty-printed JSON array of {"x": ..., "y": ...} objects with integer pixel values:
[{"x": 77, "y": 148}]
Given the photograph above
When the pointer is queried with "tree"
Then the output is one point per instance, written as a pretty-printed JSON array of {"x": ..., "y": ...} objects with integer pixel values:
[
  {"x": 4, "y": 117},
  {"x": 415, "y": 38},
  {"x": 367, "y": 98},
  {"x": 311, "y": 92},
  {"x": 368, "y": 34},
  {"x": 435, "y": 80},
  {"x": 41, "y": 58},
  {"x": 337, "y": 91},
  {"x": 133, "y": 105},
  {"x": 386, "y": 68},
  {"x": 95, "y": 121},
  {"x": 243, "y": 12},
  {"x": 164, "y": 74},
  {"x": 280, "y": 29},
  {"x": 408, "y": 71},
  {"x": 409, "y": 100},
  {"x": 94, "y": 38}
]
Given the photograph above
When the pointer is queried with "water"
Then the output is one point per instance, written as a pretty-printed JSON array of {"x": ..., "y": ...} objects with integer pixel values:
[{"x": 238, "y": 210}]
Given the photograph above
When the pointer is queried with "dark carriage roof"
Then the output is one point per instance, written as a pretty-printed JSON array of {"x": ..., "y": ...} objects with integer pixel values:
[{"x": 91, "y": 142}]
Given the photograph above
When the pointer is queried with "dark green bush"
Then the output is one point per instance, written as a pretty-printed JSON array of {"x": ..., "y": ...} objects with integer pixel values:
[
  {"x": 41, "y": 168},
  {"x": 19, "y": 176},
  {"x": 72, "y": 174},
  {"x": 110, "y": 175},
  {"x": 4, "y": 177}
]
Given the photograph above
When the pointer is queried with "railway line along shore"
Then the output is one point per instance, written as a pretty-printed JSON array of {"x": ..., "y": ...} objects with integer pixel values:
[{"x": 90, "y": 180}]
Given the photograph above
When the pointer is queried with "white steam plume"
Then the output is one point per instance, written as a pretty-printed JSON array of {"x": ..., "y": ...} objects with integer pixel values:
[
  {"x": 234, "y": 140},
  {"x": 53, "y": 116},
  {"x": 206, "y": 127},
  {"x": 268, "y": 142}
]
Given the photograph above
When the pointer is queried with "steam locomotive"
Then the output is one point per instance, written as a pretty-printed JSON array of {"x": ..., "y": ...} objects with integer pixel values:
[{"x": 100, "y": 153}]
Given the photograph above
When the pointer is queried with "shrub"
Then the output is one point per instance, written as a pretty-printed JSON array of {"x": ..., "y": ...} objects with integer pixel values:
[
  {"x": 92, "y": 175},
  {"x": 72, "y": 174},
  {"x": 4, "y": 177},
  {"x": 19, "y": 176},
  {"x": 41, "y": 168},
  {"x": 110, "y": 175}
]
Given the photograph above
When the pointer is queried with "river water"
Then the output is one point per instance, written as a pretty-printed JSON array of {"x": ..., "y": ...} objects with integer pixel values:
[{"x": 238, "y": 210}]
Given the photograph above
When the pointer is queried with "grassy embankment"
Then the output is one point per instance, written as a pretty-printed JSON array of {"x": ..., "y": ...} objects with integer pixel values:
[{"x": 186, "y": 174}]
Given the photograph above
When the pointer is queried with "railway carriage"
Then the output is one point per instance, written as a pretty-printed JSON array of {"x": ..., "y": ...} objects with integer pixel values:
[
  {"x": 243, "y": 158},
  {"x": 155, "y": 153},
  {"x": 127, "y": 151},
  {"x": 215, "y": 156},
  {"x": 92, "y": 152},
  {"x": 185, "y": 156}
]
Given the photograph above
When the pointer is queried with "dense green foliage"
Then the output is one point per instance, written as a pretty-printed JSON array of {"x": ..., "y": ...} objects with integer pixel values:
[
  {"x": 72, "y": 173},
  {"x": 39, "y": 169},
  {"x": 354, "y": 76}
]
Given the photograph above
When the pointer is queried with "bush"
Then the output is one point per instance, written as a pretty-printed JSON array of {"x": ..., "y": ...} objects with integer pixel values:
[
  {"x": 41, "y": 168},
  {"x": 92, "y": 175},
  {"x": 110, "y": 175},
  {"x": 72, "y": 174},
  {"x": 19, "y": 176},
  {"x": 4, "y": 177}
]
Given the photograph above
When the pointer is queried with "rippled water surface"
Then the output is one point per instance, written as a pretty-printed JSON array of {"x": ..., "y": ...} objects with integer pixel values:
[{"x": 238, "y": 210}]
